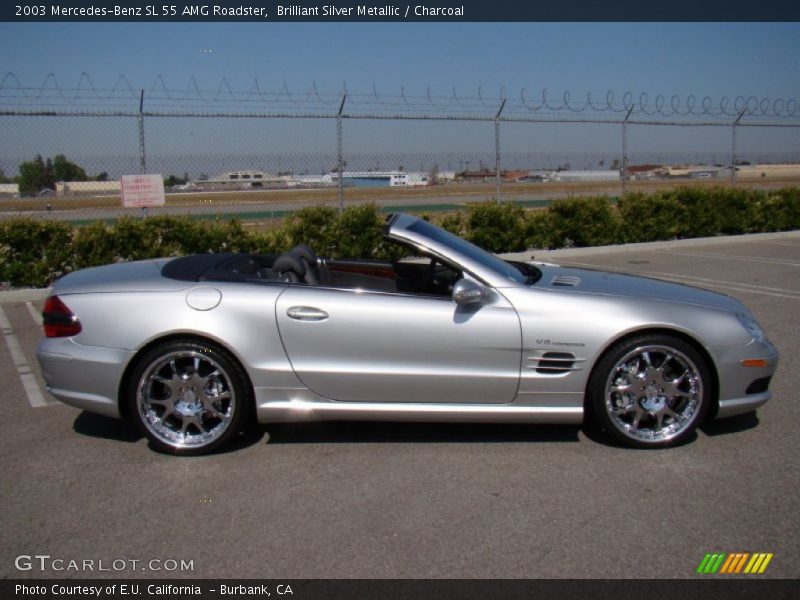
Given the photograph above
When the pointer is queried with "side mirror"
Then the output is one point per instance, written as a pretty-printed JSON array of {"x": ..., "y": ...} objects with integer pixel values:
[{"x": 467, "y": 291}]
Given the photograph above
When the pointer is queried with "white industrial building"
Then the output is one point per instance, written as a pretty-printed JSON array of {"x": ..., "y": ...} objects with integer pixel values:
[
  {"x": 573, "y": 176},
  {"x": 391, "y": 178},
  {"x": 9, "y": 189},
  {"x": 86, "y": 188},
  {"x": 239, "y": 180}
]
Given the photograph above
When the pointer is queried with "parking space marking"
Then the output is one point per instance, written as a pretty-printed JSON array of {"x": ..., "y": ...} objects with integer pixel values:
[
  {"x": 771, "y": 261},
  {"x": 32, "y": 390},
  {"x": 795, "y": 246},
  {"x": 714, "y": 283},
  {"x": 763, "y": 288},
  {"x": 35, "y": 314}
]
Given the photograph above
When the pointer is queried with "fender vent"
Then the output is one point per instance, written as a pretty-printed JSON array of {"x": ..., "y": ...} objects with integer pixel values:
[
  {"x": 554, "y": 363},
  {"x": 566, "y": 280}
]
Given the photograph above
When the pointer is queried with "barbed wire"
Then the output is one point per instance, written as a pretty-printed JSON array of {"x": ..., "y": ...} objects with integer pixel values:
[{"x": 86, "y": 95}]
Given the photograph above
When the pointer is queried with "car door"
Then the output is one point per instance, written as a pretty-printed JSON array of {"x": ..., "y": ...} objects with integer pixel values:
[{"x": 354, "y": 345}]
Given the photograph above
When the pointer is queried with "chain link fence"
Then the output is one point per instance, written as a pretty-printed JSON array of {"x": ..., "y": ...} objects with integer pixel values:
[{"x": 259, "y": 155}]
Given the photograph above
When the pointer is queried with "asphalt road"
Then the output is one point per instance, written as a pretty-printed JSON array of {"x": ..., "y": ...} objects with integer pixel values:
[{"x": 407, "y": 500}]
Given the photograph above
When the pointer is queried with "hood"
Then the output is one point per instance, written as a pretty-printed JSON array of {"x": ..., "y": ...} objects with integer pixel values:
[
  {"x": 139, "y": 276},
  {"x": 588, "y": 281}
]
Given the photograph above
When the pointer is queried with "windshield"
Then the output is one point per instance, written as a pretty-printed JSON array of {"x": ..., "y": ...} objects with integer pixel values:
[{"x": 471, "y": 251}]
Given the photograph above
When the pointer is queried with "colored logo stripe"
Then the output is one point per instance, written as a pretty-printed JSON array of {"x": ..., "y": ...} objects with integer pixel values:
[
  {"x": 759, "y": 563},
  {"x": 711, "y": 563},
  {"x": 736, "y": 562}
]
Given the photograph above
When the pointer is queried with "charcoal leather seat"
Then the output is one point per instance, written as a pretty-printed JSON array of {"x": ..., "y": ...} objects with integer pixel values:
[{"x": 309, "y": 259}]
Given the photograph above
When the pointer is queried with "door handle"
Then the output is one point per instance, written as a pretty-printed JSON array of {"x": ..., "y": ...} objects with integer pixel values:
[{"x": 306, "y": 313}]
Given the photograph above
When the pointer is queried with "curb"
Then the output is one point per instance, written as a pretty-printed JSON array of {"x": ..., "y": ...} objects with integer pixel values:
[
  {"x": 544, "y": 255},
  {"x": 31, "y": 294},
  {"x": 24, "y": 295}
]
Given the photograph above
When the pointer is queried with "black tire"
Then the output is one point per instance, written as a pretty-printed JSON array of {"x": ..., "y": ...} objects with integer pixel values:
[
  {"x": 650, "y": 391},
  {"x": 188, "y": 397}
]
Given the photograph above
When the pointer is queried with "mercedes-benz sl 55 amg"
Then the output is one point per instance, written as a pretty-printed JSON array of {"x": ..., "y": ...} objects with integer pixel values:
[{"x": 194, "y": 348}]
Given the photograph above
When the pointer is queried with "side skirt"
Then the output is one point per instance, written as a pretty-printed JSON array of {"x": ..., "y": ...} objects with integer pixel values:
[{"x": 278, "y": 411}]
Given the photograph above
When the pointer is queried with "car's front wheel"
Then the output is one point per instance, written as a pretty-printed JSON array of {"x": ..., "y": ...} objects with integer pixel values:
[
  {"x": 650, "y": 391},
  {"x": 188, "y": 397}
]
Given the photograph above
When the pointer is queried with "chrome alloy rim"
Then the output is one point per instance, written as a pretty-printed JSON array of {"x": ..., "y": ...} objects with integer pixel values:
[
  {"x": 185, "y": 399},
  {"x": 653, "y": 393}
]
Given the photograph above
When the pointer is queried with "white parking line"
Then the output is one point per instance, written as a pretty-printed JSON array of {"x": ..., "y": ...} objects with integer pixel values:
[
  {"x": 32, "y": 390},
  {"x": 770, "y": 261},
  {"x": 35, "y": 314},
  {"x": 795, "y": 246},
  {"x": 738, "y": 284},
  {"x": 714, "y": 283},
  {"x": 728, "y": 287}
]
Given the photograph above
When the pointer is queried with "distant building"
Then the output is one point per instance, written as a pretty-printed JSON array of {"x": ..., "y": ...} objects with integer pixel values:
[
  {"x": 578, "y": 176},
  {"x": 9, "y": 189},
  {"x": 646, "y": 171},
  {"x": 513, "y": 175},
  {"x": 239, "y": 180},
  {"x": 385, "y": 178},
  {"x": 87, "y": 188},
  {"x": 694, "y": 172},
  {"x": 308, "y": 180}
]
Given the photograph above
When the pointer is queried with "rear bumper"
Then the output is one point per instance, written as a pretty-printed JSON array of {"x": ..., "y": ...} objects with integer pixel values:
[{"x": 68, "y": 367}]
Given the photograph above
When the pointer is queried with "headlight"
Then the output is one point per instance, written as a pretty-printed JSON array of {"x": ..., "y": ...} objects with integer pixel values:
[{"x": 749, "y": 322}]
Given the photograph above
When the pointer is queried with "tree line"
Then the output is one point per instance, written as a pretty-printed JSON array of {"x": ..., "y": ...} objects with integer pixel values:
[{"x": 40, "y": 174}]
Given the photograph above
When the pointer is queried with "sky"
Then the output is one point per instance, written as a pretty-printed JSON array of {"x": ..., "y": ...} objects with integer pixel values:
[
  {"x": 701, "y": 59},
  {"x": 717, "y": 59}
]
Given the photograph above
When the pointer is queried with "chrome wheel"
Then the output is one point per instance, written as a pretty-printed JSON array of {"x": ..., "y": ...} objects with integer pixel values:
[
  {"x": 650, "y": 391},
  {"x": 654, "y": 393},
  {"x": 186, "y": 398}
]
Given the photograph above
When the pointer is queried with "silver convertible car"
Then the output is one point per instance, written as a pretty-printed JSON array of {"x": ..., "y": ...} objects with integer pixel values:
[{"x": 194, "y": 348}]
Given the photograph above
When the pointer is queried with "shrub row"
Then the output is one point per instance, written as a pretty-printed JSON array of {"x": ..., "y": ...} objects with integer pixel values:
[
  {"x": 35, "y": 252},
  {"x": 637, "y": 217}
]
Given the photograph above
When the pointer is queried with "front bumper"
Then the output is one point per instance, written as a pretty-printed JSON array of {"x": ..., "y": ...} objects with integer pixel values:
[
  {"x": 742, "y": 389},
  {"x": 68, "y": 367}
]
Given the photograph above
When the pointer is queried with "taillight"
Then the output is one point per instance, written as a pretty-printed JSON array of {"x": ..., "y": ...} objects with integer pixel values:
[{"x": 59, "y": 321}]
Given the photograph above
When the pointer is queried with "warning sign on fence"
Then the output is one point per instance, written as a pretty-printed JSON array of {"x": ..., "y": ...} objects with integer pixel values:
[{"x": 139, "y": 191}]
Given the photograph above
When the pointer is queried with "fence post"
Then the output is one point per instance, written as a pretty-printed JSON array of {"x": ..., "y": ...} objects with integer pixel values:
[
  {"x": 140, "y": 120},
  {"x": 733, "y": 146},
  {"x": 497, "y": 150},
  {"x": 142, "y": 158},
  {"x": 624, "y": 172},
  {"x": 339, "y": 152}
]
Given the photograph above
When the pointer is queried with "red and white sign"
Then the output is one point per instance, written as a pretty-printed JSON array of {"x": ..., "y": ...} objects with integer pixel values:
[{"x": 139, "y": 191}]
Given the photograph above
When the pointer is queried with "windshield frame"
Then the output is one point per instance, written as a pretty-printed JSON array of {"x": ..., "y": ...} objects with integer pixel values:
[{"x": 483, "y": 264}]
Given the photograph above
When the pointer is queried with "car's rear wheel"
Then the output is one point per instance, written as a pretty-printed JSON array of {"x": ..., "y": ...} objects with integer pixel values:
[
  {"x": 188, "y": 397},
  {"x": 650, "y": 391}
]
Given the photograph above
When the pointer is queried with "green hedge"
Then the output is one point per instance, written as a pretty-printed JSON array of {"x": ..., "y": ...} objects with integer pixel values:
[{"x": 35, "y": 252}]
